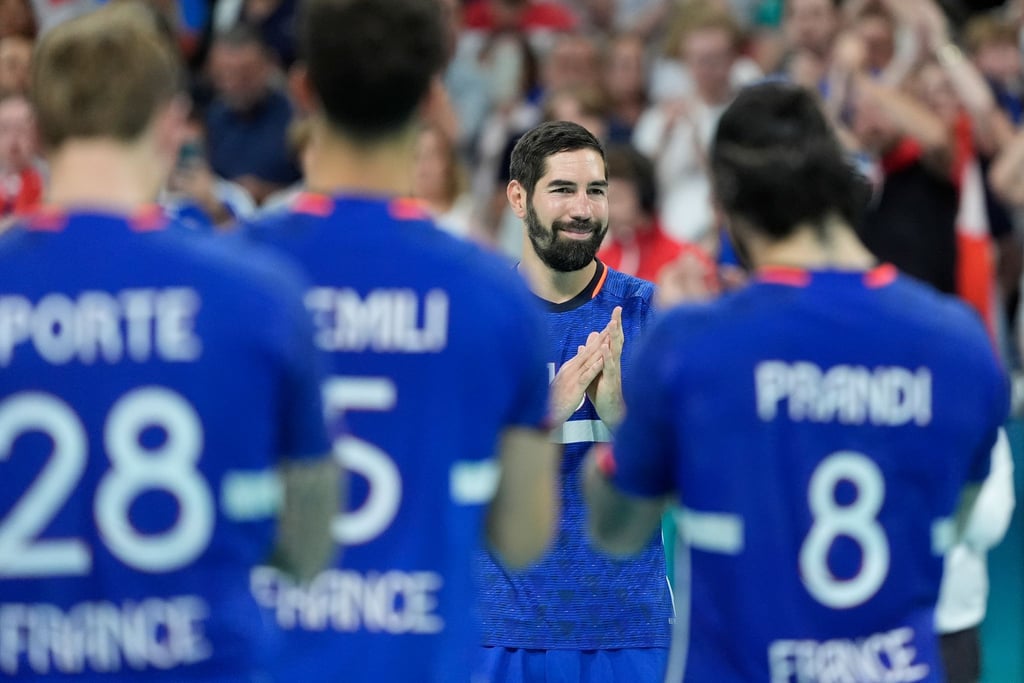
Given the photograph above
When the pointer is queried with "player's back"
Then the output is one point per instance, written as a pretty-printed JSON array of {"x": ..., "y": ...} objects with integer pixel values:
[
  {"x": 433, "y": 351},
  {"x": 147, "y": 374},
  {"x": 822, "y": 427}
]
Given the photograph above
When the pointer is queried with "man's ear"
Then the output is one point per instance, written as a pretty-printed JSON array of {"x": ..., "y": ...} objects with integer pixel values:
[
  {"x": 170, "y": 126},
  {"x": 517, "y": 199},
  {"x": 301, "y": 89},
  {"x": 437, "y": 109}
]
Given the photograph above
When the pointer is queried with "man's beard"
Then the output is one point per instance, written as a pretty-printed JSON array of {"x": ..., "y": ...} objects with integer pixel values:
[{"x": 563, "y": 255}]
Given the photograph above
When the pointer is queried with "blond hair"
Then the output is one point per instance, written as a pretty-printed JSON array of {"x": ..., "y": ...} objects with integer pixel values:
[
  {"x": 696, "y": 16},
  {"x": 103, "y": 75}
]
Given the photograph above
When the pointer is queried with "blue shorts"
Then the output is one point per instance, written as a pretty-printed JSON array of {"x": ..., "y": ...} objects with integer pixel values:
[{"x": 637, "y": 665}]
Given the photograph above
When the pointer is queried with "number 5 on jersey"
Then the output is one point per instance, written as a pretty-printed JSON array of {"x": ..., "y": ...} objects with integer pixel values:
[{"x": 375, "y": 515}]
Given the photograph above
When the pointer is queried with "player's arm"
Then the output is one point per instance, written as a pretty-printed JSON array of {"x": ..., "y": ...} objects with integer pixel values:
[
  {"x": 521, "y": 519},
  {"x": 620, "y": 524},
  {"x": 309, "y": 473},
  {"x": 626, "y": 493},
  {"x": 984, "y": 511},
  {"x": 312, "y": 496}
]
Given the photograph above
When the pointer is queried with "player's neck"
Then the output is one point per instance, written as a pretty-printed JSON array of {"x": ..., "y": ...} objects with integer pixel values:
[
  {"x": 836, "y": 247},
  {"x": 553, "y": 285},
  {"x": 103, "y": 174},
  {"x": 338, "y": 165}
]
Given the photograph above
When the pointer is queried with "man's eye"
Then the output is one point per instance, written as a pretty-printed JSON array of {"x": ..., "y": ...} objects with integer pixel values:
[{"x": 599, "y": 191}]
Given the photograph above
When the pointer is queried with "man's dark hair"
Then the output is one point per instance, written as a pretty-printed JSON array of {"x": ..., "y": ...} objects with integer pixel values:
[
  {"x": 530, "y": 155},
  {"x": 371, "y": 61},
  {"x": 624, "y": 161},
  {"x": 776, "y": 163}
]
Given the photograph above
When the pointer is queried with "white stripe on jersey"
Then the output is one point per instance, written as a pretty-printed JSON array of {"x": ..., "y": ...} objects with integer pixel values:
[
  {"x": 249, "y": 495},
  {"x": 713, "y": 532},
  {"x": 474, "y": 482},
  {"x": 582, "y": 431}
]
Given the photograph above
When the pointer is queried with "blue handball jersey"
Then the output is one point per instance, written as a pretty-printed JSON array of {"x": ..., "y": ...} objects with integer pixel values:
[
  {"x": 434, "y": 348},
  {"x": 149, "y": 381},
  {"x": 818, "y": 428},
  {"x": 577, "y": 597}
]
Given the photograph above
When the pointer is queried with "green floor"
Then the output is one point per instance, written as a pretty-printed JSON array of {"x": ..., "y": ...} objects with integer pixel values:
[{"x": 1003, "y": 631}]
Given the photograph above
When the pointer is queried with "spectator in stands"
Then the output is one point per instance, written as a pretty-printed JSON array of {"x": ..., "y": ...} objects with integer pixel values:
[
  {"x": 625, "y": 83},
  {"x": 439, "y": 182},
  {"x": 16, "y": 19},
  {"x": 573, "y": 60},
  {"x": 670, "y": 78},
  {"x": 912, "y": 221},
  {"x": 963, "y": 595},
  {"x": 299, "y": 135},
  {"x": 195, "y": 195},
  {"x": 992, "y": 46},
  {"x": 635, "y": 244},
  {"x": 15, "y": 64},
  {"x": 273, "y": 20},
  {"x": 248, "y": 118},
  {"x": 675, "y": 134},
  {"x": 21, "y": 182},
  {"x": 580, "y": 104},
  {"x": 809, "y": 32},
  {"x": 526, "y": 16}
]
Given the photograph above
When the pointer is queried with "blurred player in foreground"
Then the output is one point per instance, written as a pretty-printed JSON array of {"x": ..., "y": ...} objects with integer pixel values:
[
  {"x": 579, "y": 614},
  {"x": 824, "y": 429},
  {"x": 152, "y": 383},
  {"x": 437, "y": 363}
]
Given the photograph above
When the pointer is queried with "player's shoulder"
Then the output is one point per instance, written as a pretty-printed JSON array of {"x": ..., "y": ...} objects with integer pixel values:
[
  {"x": 227, "y": 262},
  {"x": 925, "y": 311},
  {"x": 399, "y": 228},
  {"x": 276, "y": 224},
  {"x": 619, "y": 285}
]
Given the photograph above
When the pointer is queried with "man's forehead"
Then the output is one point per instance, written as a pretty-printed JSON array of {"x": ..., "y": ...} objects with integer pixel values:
[{"x": 579, "y": 164}]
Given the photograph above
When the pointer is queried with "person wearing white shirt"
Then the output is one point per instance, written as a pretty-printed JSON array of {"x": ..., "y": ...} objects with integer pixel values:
[{"x": 963, "y": 595}]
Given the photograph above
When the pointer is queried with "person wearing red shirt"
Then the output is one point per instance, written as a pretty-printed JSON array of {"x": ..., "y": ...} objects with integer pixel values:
[
  {"x": 21, "y": 184},
  {"x": 521, "y": 15},
  {"x": 636, "y": 244}
]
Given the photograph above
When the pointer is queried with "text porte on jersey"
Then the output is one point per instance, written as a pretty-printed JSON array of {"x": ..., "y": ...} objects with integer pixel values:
[{"x": 133, "y": 324}]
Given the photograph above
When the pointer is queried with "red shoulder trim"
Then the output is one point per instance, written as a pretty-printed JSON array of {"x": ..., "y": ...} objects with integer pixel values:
[
  {"x": 783, "y": 275},
  {"x": 313, "y": 204},
  {"x": 407, "y": 209},
  {"x": 881, "y": 276}
]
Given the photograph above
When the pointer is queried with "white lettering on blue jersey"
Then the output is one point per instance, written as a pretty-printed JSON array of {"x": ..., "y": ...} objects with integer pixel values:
[
  {"x": 393, "y": 602},
  {"x": 133, "y": 324},
  {"x": 103, "y": 637},
  {"x": 847, "y": 394},
  {"x": 385, "y": 320},
  {"x": 880, "y": 658}
]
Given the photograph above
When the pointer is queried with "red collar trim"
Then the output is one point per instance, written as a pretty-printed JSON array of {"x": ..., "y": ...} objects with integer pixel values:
[
  {"x": 149, "y": 218},
  {"x": 789, "y": 276},
  {"x": 881, "y": 276},
  {"x": 407, "y": 209},
  {"x": 784, "y": 275},
  {"x": 313, "y": 204}
]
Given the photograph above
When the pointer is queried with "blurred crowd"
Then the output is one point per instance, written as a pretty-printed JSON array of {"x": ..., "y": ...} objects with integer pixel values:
[{"x": 928, "y": 97}]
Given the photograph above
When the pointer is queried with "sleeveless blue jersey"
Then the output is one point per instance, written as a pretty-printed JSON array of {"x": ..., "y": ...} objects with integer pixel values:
[
  {"x": 818, "y": 428},
  {"x": 149, "y": 382},
  {"x": 434, "y": 348},
  {"x": 577, "y": 597}
]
